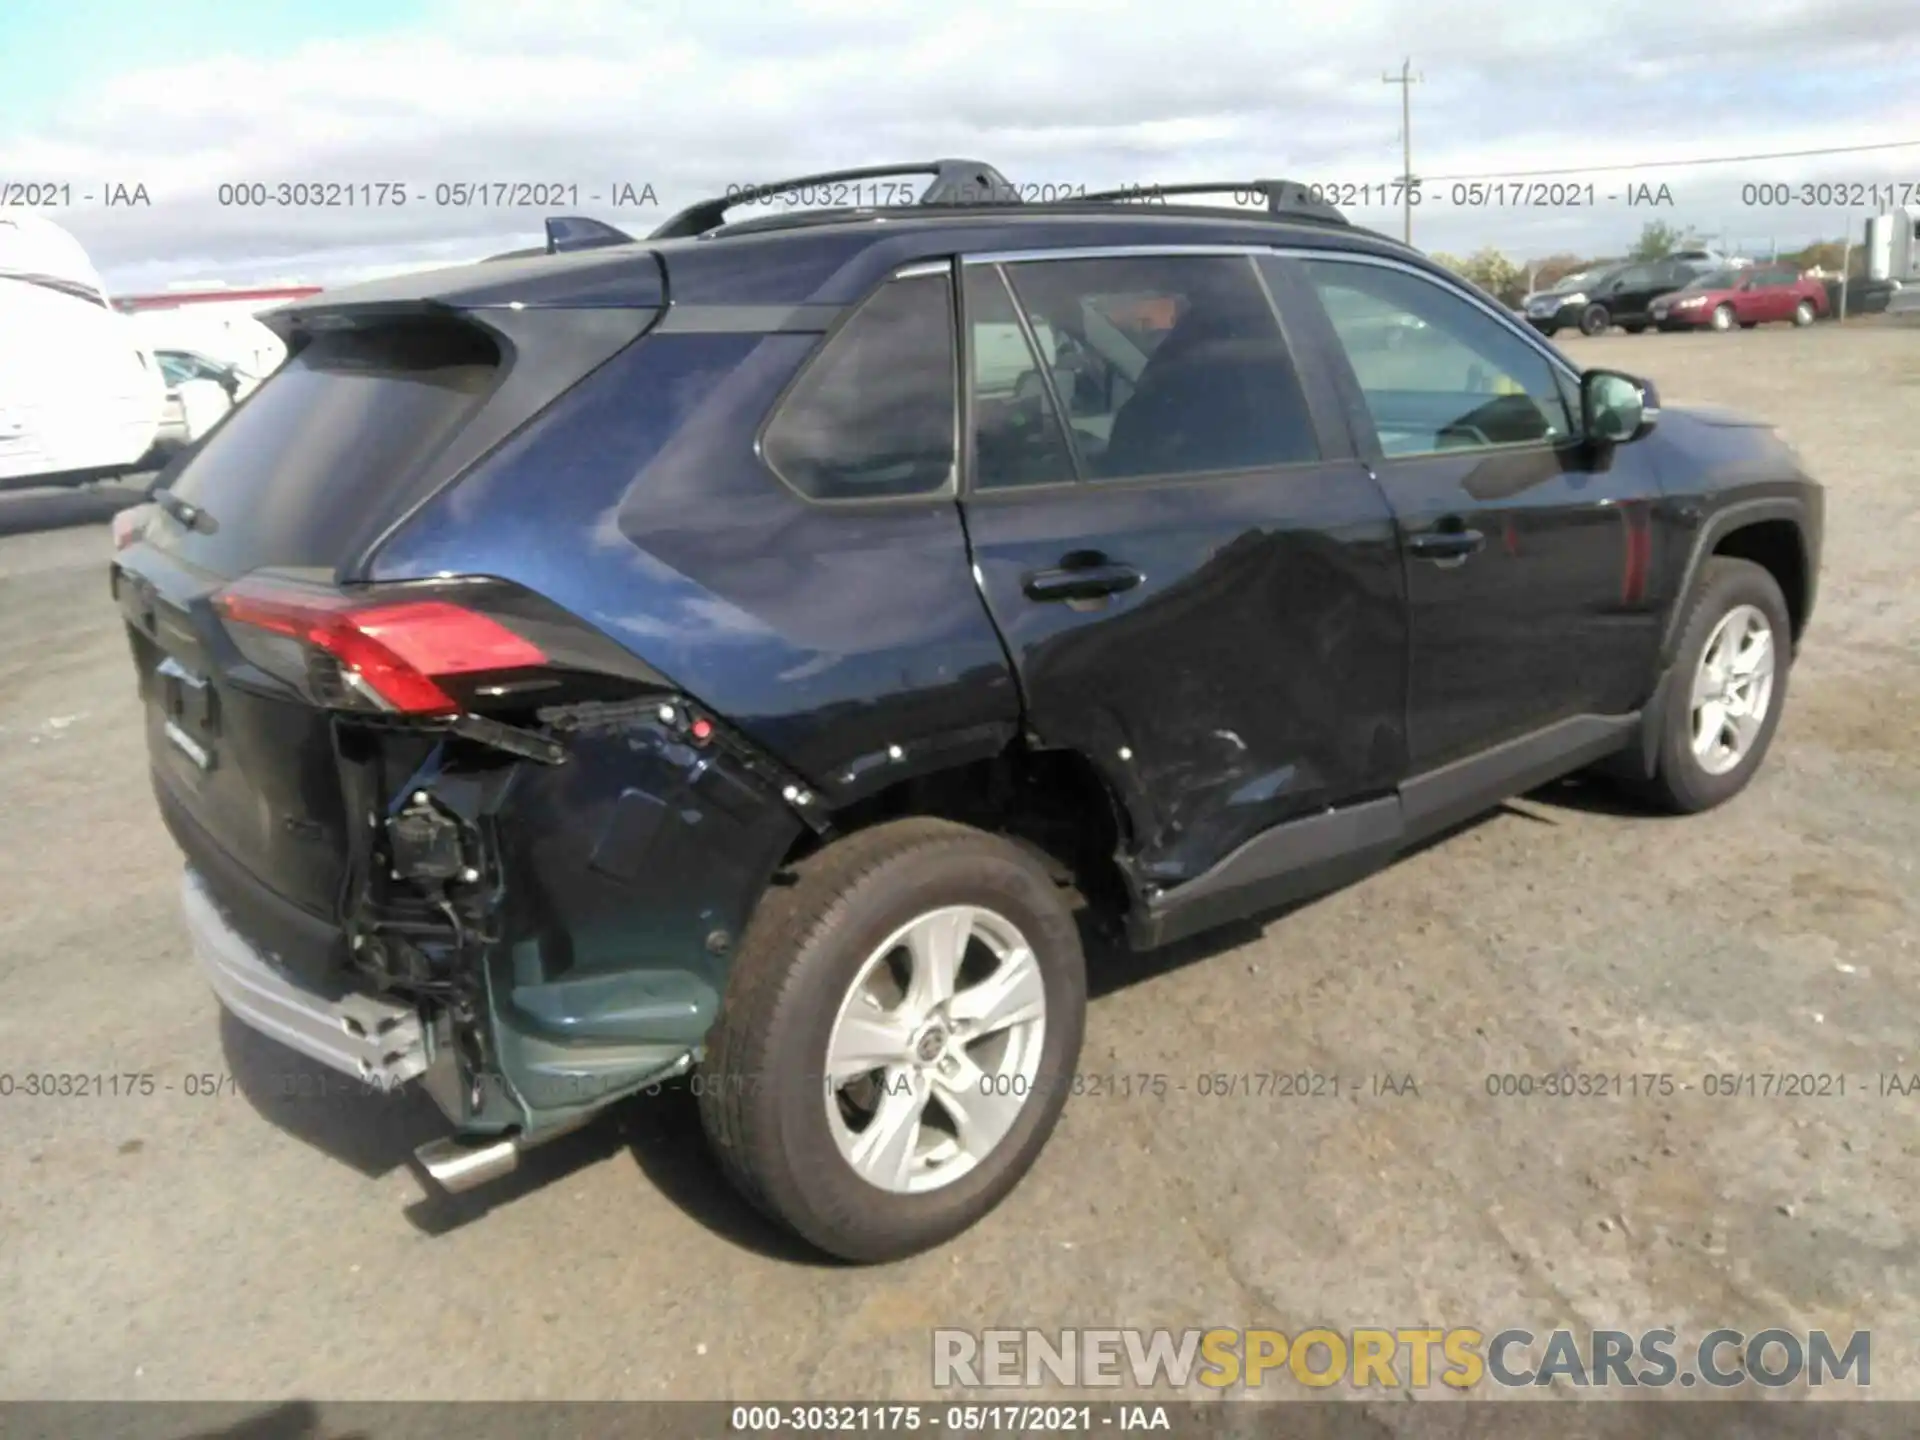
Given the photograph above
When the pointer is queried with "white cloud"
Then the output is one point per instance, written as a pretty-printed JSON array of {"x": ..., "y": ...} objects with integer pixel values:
[{"x": 691, "y": 98}]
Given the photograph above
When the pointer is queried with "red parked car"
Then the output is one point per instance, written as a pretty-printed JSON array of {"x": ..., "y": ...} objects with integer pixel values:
[{"x": 1722, "y": 299}]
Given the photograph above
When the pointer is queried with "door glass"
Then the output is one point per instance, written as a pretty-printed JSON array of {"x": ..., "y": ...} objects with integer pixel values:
[
  {"x": 873, "y": 414},
  {"x": 1167, "y": 364},
  {"x": 1016, "y": 429},
  {"x": 1438, "y": 373}
]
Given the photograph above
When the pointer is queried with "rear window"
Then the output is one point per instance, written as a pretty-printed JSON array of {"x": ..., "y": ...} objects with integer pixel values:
[{"x": 299, "y": 474}]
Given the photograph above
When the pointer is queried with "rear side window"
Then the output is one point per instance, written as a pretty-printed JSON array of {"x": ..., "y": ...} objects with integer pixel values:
[
  {"x": 291, "y": 477},
  {"x": 1165, "y": 365},
  {"x": 873, "y": 414}
]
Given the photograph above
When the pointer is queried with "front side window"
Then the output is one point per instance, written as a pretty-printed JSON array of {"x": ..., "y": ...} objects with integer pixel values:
[
  {"x": 872, "y": 416},
  {"x": 1437, "y": 372},
  {"x": 1161, "y": 365}
]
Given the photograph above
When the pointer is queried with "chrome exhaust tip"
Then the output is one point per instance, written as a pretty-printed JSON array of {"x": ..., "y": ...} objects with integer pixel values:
[{"x": 457, "y": 1165}]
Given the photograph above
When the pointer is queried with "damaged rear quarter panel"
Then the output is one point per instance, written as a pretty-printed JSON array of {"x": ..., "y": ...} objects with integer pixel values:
[
  {"x": 847, "y": 645},
  {"x": 633, "y": 869}
]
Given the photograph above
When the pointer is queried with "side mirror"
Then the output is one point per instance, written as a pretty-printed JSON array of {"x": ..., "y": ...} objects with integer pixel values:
[{"x": 1616, "y": 408}]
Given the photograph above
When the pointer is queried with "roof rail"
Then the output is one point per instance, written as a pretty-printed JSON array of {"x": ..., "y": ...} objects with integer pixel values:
[
  {"x": 955, "y": 182},
  {"x": 1283, "y": 197}
]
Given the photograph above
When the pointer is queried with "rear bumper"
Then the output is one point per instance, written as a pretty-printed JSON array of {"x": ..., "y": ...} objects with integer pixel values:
[{"x": 378, "y": 1041}]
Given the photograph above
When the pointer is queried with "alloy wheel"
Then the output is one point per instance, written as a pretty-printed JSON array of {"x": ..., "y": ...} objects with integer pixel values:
[
  {"x": 933, "y": 1054},
  {"x": 1732, "y": 689}
]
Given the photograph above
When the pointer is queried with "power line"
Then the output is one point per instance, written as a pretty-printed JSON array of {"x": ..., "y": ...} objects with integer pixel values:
[{"x": 1677, "y": 164}]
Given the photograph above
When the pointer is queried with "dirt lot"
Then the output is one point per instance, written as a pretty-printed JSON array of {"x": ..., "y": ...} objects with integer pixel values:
[{"x": 244, "y": 1245}]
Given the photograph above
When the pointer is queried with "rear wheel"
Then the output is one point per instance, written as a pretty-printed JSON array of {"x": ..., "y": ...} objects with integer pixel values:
[
  {"x": 896, "y": 1039},
  {"x": 1803, "y": 313},
  {"x": 1723, "y": 317},
  {"x": 1729, "y": 683},
  {"x": 1594, "y": 320}
]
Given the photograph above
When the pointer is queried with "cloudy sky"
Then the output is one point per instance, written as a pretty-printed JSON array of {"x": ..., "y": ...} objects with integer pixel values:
[{"x": 183, "y": 96}]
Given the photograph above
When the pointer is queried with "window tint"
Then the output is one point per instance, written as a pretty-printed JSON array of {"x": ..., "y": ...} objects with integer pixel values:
[
  {"x": 873, "y": 414},
  {"x": 1438, "y": 373},
  {"x": 1166, "y": 365},
  {"x": 291, "y": 476},
  {"x": 1017, "y": 438}
]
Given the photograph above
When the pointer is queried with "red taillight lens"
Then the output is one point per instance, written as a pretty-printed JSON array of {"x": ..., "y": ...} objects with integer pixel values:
[{"x": 396, "y": 650}]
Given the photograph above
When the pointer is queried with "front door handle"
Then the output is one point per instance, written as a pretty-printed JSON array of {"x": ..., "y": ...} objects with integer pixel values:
[
  {"x": 1081, "y": 582},
  {"x": 1447, "y": 546}
]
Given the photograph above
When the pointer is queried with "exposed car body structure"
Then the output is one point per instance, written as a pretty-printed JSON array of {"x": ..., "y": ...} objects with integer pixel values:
[
  {"x": 1726, "y": 299},
  {"x": 724, "y": 647},
  {"x": 80, "y": 399}
]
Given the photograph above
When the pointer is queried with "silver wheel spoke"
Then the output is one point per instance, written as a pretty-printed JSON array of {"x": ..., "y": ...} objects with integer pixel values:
[
  {"x": 1012, "y": 995},
  {"x": 866, "y": 1039},
  {"x": 938, "y": 943},
  {"x": 982, "y": 1116},
  {"x": 1707, "y": 725},
  {"x": 1705, "y": 686},
  {"x": 883, "y": 1151},
  {"x": 1756, "y": 658},
  {"x": 1745, "y": 725}
]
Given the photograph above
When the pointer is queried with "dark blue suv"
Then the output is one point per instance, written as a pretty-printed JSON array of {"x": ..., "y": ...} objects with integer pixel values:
[{"x": 739, "y": 653}]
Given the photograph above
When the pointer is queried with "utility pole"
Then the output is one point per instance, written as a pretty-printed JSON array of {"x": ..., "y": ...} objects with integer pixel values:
[{"x": 1406, "y": 80}]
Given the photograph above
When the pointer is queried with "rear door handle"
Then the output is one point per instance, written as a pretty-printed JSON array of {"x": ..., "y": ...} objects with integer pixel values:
[
  {"x": 1446, "y": 546},
  {"x": 1081, "y": 582}
]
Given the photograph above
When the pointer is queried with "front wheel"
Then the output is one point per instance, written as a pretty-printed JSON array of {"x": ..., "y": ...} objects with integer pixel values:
[
  {"x": 1728, "y": 685},
  {"x": 897, "y": 1037},
  {"x": 1803, "y": 313},
  {"x": 1723, "y": 317},
  {"x": 1594, "y": 320}
]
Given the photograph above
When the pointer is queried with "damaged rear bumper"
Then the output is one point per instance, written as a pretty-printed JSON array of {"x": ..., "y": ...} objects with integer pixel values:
[
  {"x": 379, "y": 1041},
  {"x": 531, "y": 933}
]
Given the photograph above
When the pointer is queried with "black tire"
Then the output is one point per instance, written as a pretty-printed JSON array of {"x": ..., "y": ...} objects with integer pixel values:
[
  {"x": 1680, "y": 784},
  {"x": 1594, "y": 320},
  {"x": 1633, "y": 329},
  {"x": 761, "y": 1084}
]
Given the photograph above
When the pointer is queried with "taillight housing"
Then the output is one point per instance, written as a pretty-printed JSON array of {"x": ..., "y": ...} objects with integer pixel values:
[
  {"x": 389, "y": 653},
  {"x": 129, "y": 525}
]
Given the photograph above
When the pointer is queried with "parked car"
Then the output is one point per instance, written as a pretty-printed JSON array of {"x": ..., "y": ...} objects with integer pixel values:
[
  {"x": 193, "y": 407},
  {"x": 1722, "y": 299},
  {"x": 1626, "y": 298},
  {"x": 1862, "y": 295},
  {"x": 1564, "y": 305},
  {"x": 183, "y": 365},
  {"x": 707, "y": 693}
]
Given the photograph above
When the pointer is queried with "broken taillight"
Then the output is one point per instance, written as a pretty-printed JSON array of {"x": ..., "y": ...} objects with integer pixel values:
[{"x": 391, "y": 653}]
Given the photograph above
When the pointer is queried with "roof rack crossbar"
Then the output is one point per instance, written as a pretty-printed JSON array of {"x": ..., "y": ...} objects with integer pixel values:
[
  {"x": 1283, "y": 197},
  {"x": 955, "y": 182}
]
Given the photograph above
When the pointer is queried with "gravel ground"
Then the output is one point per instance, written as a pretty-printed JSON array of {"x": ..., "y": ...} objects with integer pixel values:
[{"x": 253, "y": 1246}]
